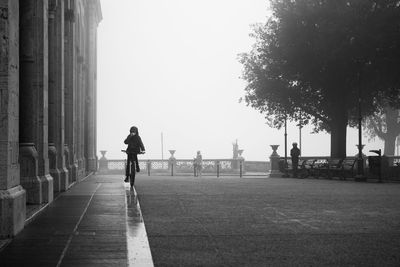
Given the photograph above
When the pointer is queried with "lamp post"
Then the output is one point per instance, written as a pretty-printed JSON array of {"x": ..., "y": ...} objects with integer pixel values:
[
  {"x": 286, "y": 164},
  {"x": 360, "y": 162},
  {"x": 300, "y": 127},
  {"x": 360, "y": 168}
]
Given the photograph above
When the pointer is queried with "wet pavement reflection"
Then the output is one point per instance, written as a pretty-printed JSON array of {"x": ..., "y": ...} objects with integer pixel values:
[{"x": 139, "y": 253}]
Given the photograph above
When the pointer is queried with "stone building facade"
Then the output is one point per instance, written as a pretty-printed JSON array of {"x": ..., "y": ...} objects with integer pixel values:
[{"x": 48, "y": 59}]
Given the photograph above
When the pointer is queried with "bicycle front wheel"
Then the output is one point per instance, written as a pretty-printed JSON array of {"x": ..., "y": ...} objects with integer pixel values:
[{"x": 132, "y": 174}]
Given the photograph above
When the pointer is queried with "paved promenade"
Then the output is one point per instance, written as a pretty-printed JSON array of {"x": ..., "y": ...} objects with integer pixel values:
[
  {"x": 270, "y": 222},
  {"x": 95, "y": 223},
  {"x": 212, "y": 221}
]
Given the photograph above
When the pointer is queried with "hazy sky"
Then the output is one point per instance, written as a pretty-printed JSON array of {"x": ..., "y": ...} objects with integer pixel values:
[{"x": 170, "y": 66}]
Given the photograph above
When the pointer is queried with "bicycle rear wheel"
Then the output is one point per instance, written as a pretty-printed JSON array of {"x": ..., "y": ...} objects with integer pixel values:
[{"x": 132, "y": 173}]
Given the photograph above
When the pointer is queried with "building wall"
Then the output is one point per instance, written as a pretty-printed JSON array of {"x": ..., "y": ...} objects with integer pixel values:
[{"x": 47, "y": 101}]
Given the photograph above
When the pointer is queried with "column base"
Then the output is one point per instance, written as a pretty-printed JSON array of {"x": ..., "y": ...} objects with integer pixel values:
[
  {"x": 92, "y": 164},
  {"x": 33, "y": 187},
  {"x": 47, "y": 188},
  {"x": 73, "y": 172},
  {"x": 60, "y": 179},
  {"x": 55, "y": 174},
  {"x": 81, "y": 169},
  {"x": 64, "y": 180},
  {"x": 12, "y": 211}
]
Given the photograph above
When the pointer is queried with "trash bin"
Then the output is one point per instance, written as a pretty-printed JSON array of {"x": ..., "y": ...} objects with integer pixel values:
[{"x": 375, "y": 165}]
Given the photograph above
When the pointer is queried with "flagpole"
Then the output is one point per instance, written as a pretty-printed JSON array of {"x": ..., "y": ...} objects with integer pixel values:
[{"x": 162, "y": 149}]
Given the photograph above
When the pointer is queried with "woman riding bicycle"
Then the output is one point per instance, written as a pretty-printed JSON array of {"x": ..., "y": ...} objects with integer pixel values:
[{"x": 135, "y": 146}]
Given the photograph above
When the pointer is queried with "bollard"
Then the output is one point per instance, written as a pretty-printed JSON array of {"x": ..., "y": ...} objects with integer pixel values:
[
  {"x": 148, "y": 167},
  {"x": 172, "y": 169}
]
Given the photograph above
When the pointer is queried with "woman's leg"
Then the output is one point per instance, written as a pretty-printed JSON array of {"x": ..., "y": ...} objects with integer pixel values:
[
  {"x": 128, "y": 163},
  {"x": 135, "y": 158},
  {"x": 133, "y": 173}
]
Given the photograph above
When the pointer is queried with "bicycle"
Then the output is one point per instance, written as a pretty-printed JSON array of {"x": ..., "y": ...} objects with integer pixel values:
[{"x": 132, "y": 168}]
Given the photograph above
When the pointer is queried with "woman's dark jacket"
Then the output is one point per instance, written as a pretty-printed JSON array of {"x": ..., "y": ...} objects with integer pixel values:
[{"x": 135, "y": 144}]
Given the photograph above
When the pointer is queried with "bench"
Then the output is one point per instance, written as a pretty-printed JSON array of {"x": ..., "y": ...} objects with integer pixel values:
[
  {"x": 288, "y": 169},
  {"x": 307, "y": 168},
  {"x": 328, "y": 168},
  {"x": 348, "y": 167},
  {"x": 336, "y": 168}
]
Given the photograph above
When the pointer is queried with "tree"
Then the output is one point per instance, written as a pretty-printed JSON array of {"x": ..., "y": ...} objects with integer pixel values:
[
  {"x": 385, "y": 124},
  {"x": 316, "y": 57}
]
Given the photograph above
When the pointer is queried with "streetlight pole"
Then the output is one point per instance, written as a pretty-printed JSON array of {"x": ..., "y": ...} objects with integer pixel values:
[
  {"x": 286, "y": 164},
  {"x": 360, "y": 162},
  {"x": 300, "y": 126},
  {"x": 360, "y": 168}
]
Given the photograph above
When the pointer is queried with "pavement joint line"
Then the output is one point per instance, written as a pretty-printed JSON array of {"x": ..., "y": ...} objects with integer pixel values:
[
  {"x": 42, "y": 208},
  {"x": 289, "y": 219},
  {"x": 304, "y": 224},
  {"x": 4, "y": 243},
  {"x": 209, "y": 235},
  {"x": 76, "y": 228}
]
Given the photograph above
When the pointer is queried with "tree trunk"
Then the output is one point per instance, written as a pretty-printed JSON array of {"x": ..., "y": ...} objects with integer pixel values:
[
  {"x": 390, "y": 142},
  {"x": 392, "y": 131},
  {"x": 338, "y": 134}
]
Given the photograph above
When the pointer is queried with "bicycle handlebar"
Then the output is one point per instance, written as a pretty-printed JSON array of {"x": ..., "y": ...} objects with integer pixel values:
[{"x": 123, "y": 150}]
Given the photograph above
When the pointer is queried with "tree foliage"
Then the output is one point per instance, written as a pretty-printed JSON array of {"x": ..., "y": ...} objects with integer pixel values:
[
  {"x": 315, "y": 57},
  {"x": 384, "y": 124}
]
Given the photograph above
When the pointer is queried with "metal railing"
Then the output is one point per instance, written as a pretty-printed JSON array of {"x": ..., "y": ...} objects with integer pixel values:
[
  {"x": 215, "y": 167},
  {"x": 389, "y": 168}
]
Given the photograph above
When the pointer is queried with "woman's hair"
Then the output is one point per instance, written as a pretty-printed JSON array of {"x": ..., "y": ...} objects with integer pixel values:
[{"x": 134, "y": 129}]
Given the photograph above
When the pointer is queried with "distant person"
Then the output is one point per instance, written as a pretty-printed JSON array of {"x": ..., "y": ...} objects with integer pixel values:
[
  {"x": 135, "y": 147},
  {"x": 198, "y": 161},
  {"x": 295, "y": 154}
]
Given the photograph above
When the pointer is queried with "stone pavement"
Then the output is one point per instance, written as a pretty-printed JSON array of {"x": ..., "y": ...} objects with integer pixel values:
[
  {"x": 270, "y": 222},
  {"x": 95, "y": 223},
  {"x": 212, "y": 221}
]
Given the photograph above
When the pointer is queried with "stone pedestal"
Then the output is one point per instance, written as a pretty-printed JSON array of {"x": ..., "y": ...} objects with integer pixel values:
[
  {"x": 54, "y": 172},
  {"x": 74, "y": 172},
  {"x": 28, "y": 160},
  {"x": 81, "y": 169},
  {"x": 274, "y": 160},
  {"x": 12, "y": 211},
  {"x": 103, "y": 164},
  {"x": 47, "y": 188}
]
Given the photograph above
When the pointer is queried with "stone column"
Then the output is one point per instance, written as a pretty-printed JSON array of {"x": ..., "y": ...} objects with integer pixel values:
[
  {"x": 34, "y": 100},
  {"x": 56, "y": 93},
  {"x": 81, "y": 118},
  {"x": 90, "y": 130},
  {"x": 78, "y": 91},
  {"x": 70, "y": 90},
  {"x": 12, "y": 195}
]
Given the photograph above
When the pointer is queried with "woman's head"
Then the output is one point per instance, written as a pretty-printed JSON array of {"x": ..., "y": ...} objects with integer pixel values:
[{"x": 134, "y": 130}]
